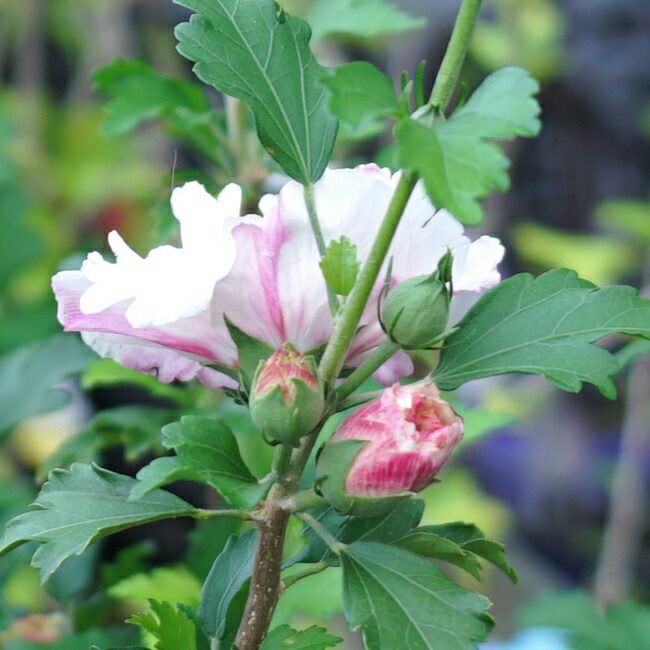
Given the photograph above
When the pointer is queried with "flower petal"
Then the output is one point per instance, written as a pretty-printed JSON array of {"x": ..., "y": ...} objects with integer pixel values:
[
  {"x": 176, "y": 350},
  {"x": 170, "y": 283}
]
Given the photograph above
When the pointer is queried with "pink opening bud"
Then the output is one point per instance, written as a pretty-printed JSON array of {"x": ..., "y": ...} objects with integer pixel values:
[
  {"x": 287, "y": 399},
  {"x": 411, "y": 432},
  {"x": 279, "y": 371}
]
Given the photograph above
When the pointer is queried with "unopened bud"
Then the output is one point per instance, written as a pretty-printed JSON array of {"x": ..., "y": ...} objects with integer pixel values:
[
  {"x": 415, "y": 312},
  {"x": 287, "y": 399},
  {"x": 391, "y": 447}
]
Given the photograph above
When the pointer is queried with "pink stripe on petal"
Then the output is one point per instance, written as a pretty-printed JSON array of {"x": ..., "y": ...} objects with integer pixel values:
[{"x": 205, "y": 341}]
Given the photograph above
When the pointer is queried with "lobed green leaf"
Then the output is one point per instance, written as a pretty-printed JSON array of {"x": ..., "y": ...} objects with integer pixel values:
[
  {"x": 252, "y": 50},
  {"x": 460, "y": 544},
  {"x": 402, "y": 600},
  {"x": 546, "y": 326},
  {"x": 77, "y": 507},
  {"x": 207, "y": 452},
  {"x": 284, "y": 637},
  {"x": 455, "y": 157}
]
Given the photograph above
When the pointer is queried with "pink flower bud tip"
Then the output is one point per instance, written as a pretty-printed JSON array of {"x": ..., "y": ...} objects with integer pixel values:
[
  {"x": 411, "y": 432},
  {"x": 279, "y": 371}
]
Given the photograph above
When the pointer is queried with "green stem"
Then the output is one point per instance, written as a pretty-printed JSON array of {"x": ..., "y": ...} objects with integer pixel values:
[
  {"x": 314, "y": 222},
  {"x": 311, "y": 570},
  {"x": 211, "y": 514},
  {"x": 455, "y": 55},
  {"x": 310, "y": 202},
  {"x": 322, "y": 532},
  {"x": 377, "y": 359},
  {"x": 282, "y": 459},
  {"x": 345, "y": 326},
  {"x": 303, "y": 500}
]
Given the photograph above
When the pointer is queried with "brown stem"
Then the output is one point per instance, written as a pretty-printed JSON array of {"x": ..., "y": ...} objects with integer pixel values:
[
  {"x": 266, "y": 586},
  {"x": 624, "y": 530}
]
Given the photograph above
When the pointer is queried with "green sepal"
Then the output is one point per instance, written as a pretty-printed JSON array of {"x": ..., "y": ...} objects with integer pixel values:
[
  {"x": 333, "y": 465},
  {"x": 250, "y": 352},
  {"x": 288, "y": 423}
]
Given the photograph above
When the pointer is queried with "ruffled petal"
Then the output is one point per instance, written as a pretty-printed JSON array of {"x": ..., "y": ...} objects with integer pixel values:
[
  {"x": 176, "y": 351},
  {"x": 170, "y": 283}
]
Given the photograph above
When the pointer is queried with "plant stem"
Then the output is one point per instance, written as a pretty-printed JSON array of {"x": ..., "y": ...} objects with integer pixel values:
[
  {"x": 304, "y": 500},
  {"x": 310, "y": 202},
  {"x": 455, "y": 55},
  {"x": 314, "y": 222},
  {"x": 377, "y": 359},
  {"x": 345, "y": 326},
  {"x": 622, "y": 541},
  {"x": 211, "y": 514},
  {"x": 322, "y": 532},
  {"x": 272, "y": 518},
  {"x": 282, "y": 459},
  {"x": 311, "y": 570}
]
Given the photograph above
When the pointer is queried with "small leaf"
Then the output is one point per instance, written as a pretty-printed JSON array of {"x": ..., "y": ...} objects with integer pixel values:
[
  {"x": 361, "y": 94},
  {"x": 286, "y": 638},
  {"x": 458, "y": 163},
  {"x": 229, "y": 575},
  {"x": 30, "y": 377},
  {"x": 77, "y": 507},
  {"x": 544, "y": 326},
  {"x": 250, "y": 352},
  {"x": 360, "y": 19},
  {"x": 137, "y": 93},
  {"x": 259, "y": 54},
  {"x": 206, "y": 451},
  {"x": 173, "y": 584},
  {"x": 171, "y": 628},
  {"x": 460, "y": 544},
  {"x": 402, "y": 600},
  {"x": 134, "y": 427},
  {"x": 340, "y": 266}
]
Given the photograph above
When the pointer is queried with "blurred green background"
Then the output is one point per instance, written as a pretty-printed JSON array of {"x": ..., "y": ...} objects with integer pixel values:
[{"x": 561, "y": 480}]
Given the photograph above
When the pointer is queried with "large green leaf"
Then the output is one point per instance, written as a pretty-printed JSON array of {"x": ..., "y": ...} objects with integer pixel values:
[
  {"x": 252, "y": 50},
  {"x": 455, "y": 157},
  {"x": 387, "y": 527},
  {"x": 30, "y": 377},
  {"x": 77, "y": 507},
  {"x": 171, "y": 628},
  {"x": 206, "y": 451},
  {"x": 284, "y": 637},
  {"x": 402, "y": 600},
  {"x": 360, "y": 19},
  {"x": 228, "y": 577},
  {"x": 460, "y": 544},
  {"x": 544, "y": 326}
]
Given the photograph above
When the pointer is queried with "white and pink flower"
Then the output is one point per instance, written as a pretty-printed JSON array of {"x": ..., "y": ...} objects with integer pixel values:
[{"x": 164, "y": 313}]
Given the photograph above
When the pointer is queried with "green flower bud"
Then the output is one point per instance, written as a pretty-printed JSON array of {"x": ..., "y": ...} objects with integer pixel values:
[
  {"x": 415, "y": 312},
  {"x": 287, "y": 399}
]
